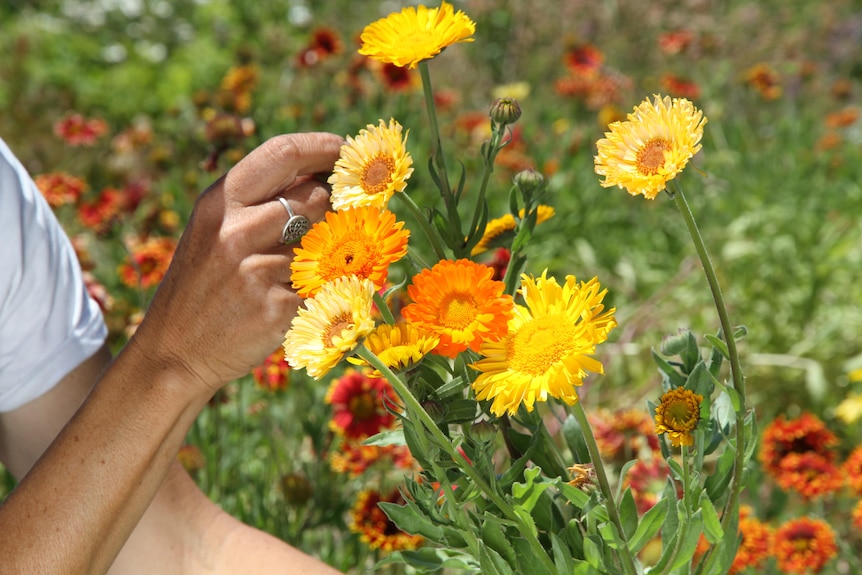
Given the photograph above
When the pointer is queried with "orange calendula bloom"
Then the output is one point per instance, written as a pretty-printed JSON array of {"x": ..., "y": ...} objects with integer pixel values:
[
  {"x": 651, "y": 147},
  {"x": 415, "y": 34},
  {"x": 374, "y": 526},
  {"x": 804, "y": 545},
  {"x": 146, "y": 266},
  {"x": 546, "y": 352},
  {"x": 359, "y": 404},
  {"x": 359, "y": 242},
  {"x": 677, "y": 415},
  {"x": 460, "y": 303}
]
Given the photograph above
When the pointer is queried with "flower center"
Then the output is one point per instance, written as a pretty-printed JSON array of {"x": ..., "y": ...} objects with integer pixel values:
[
  {"x": 541, "y": 343},
  {"x": 650, "y": 158},
  {"x": 354, "y": 256},
  {"x": 377, "y": 174},
  {"x": 457, "y": 310},
  {"x": 681, "y": 414},
  {"x": 338, "y": 324},
  {"x": 362, "y": 406}
]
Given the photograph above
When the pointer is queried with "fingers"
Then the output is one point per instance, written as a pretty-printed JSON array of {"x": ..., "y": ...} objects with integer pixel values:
[
  {"x": 276, "y": 164},
  {"x": 309, "y": 198}
]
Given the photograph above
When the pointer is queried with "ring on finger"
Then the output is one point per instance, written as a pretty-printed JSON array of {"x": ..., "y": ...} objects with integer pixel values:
[{"x": 296, "y": 225}]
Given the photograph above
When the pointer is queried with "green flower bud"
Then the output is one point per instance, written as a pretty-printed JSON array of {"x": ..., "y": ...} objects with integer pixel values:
[
  {"x": 529, "y": 181},
  {"x": 675, "y": 343},
  {"x": 483, "y": 432},
  {"x": 505, "y": 111},
  {"x": 435, "y": 409}
]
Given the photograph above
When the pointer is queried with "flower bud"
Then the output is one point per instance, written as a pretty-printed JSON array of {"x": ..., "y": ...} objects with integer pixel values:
[
  {"x": 674, "y": 344},
  {"x": 529, "y": 181},
  {"x": 296, "y": 488},
  {"x": 505, "y": 111},
  {"x": 435, "y": 409},
  {"x": 483, "y": 432}
]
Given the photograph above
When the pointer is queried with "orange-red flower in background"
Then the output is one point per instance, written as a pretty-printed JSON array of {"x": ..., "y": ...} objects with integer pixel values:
[
  {"x": 583, "y": 59},
  {"x": 76, "y": 130},
  {"x": 756, "y": 543},
  {"x": 675, "y": 42},
  {"x": 622, "y": 434},
  {"x": 100, "y": 213},
  {"x": 680, "y": 87},
  {"x": 60, "y": 188},
  {"x": 804, "y": 545},
  {"x": 360, "y": 404},
  {"x": 811, "y": 474},
  {"x": 274, "y": 373},
  {"x": 147, "y": 263},
  {"x": 803, "y": 434},
  {"x": 765, "y": 80},
  {"x": 374, "y": 526}
]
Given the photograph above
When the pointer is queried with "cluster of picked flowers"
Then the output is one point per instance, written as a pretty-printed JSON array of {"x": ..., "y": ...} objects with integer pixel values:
[{"x": 475, "y": 351}]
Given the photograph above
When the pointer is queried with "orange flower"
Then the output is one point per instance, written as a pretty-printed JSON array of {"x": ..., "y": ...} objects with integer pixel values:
[
  {"x": 810, "y": 473},
  {"x": 680, "y": 87},
  {"x": 647, "y": 480},
  {"x": 191, "y": 458},
  {"x": 458, "y": 301},
  {"x": 147, "y": 264},
  {"x": 675, "y": 42},
  {"x": 803, "y": 434},
  {"x": 853, "y": 470},
  {"x": 622, "y": 435},
  {"x": 274, "y": 373},
  {"x": 100, "y": 213},
  {"x": 857, "y": 516},
  {"x": 360, "y": 404},
  {"x": 804, "y": 545},
  {"x": 359, "y": 242},
  {"x": 756, "y": 542},
  {"x": 60, "y": 188},
  {"x": 374, "y": 526},
  {"x": 765, "y": 80},
  {"x": 583, "y": 59},
  {"x": 355, "y": 458}
]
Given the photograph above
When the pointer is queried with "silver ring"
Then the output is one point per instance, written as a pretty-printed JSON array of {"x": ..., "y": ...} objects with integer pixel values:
[{"x": 295, "y": 227}]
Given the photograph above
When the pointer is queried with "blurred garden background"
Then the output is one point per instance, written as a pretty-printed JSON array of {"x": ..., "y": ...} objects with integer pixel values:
[{"x": 124, "y": 110}]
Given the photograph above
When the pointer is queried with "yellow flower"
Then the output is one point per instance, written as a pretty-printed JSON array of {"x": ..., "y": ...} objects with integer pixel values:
[
  {"x": 398, "y": 346},
  {"x": 548, "y": 347},
  {"x": 459, "y": 302},
  {"x": 678, "y": 414},
  {"x": 372, "y": 167},
  {"x": 498, "y": 231},
  {"x": 850, "y": 409},
  {"x": 358, "y": 242},
  {"x": 406, "y": 38},
  {"x": 330, "y": 325},
  {"x": 651, "y": 147}
]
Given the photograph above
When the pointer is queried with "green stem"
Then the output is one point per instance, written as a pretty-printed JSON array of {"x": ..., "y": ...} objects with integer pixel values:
[
  {"x": 383, "y": 308},
  {"x": 737, "y": 376},
  {"x": 604, "y": 486},
  {"x": 436, "y": 146},
  {"x": 490, "y": 156},
  {"x": 682, "y": 530},
  {"x": 429, "y": 230},
  {"x": 415, "y": 408}
]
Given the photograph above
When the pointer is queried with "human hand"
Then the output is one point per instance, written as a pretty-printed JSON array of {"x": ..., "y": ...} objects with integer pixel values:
[{"x": 226, "y": 301}]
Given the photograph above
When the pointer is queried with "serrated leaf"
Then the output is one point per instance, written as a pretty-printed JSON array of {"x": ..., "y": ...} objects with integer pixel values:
[
  {"x": 495, "y": 538},
  {"x": 410, "y": 519},
  {"x": 527, "y": 494}
]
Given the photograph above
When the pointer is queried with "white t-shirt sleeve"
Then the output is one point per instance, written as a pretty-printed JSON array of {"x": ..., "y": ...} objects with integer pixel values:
[{"x": 48, "y": 322}]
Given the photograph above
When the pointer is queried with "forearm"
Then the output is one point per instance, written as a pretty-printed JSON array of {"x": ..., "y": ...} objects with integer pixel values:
[{"x": 77, "y": 506}]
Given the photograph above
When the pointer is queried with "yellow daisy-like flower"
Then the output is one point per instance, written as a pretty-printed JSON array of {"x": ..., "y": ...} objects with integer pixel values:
[
  {"x": 359, "y": 242},
  {"x": 399, "y": 346},
  {"x": 498, "y": 230},
  {"x": 330, "y": 325},
  {"x": 459, "y": 302},
  {"x": 548, "y": 346},
  {"x": 371, "y": 167},
  {"x": 678, "y": 414},
  {"x": 651, "y": 147},
  {"x": 406, "y": 38}
]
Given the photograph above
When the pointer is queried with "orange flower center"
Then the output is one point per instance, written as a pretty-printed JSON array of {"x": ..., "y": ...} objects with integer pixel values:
[
  {"x": 457, "y": 311},
  {"x": 362, "y": 406},
  {"x": 354, "y": 256},
  {"x": 650, "y": 158},
  {"x": 338, "y": 324},
  {"x": 377, "y": 174},
  {"x": 541, "y": 343}
]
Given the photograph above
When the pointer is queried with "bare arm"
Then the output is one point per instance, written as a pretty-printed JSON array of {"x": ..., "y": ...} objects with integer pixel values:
[{"x": 223, "y": 306}]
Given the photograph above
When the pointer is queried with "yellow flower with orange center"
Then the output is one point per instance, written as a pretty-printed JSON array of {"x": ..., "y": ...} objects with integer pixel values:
[
  {"x": 460, "y": 303},
  {"x": 677, "y": 415},
  {"x": 651, "y": 147},
  {"x": 330, "y": 325},
  {"x": 415, "y": 34},
  {"x": 398, "y": 346},
  {"x": 361, "y": 242},
  {"x": 371, "y": 167},
  {"x": 547, "y": 350},
  {"x": 499, "y": 230}
]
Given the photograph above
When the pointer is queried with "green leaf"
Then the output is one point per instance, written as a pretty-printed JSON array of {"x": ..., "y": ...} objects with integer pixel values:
[
  {"x": 689, "y": 542},
  {"x": 593, "y": 551},
  {"x": 670, "y": 375},
  {"x": 393, "y": 437},
  {"x": 628, "y": 514},
  {"x": 719, "y": 345},
  {"x": 527, "y": 559},
  {"x": 649, "y": 525},
  {"x": 460, "y": 410},
  {"x": 711, "y": 525},
  {"x": 562, "y": 556},
  {"x": 717, "y": 482},
  {"x": 574, "y": 437},
  {"x": 700, "y": 380},
  {"x": 408, "y": 518},
  {"x": 527, "y": 494},
  {"x": 495, "y": 538},
  {"x": 690, "y": 354},
  {"x": 492, "y": 564}
]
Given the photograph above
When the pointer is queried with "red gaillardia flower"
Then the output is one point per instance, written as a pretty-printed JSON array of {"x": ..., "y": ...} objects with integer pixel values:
[
  {"x": 147, "y": 263},
  {"x": 374, "y": 526},
  {"x": 756, "y": 542},
  {"x": 803, "y": 434},
  {"x": 76, "y": 130},
  {"x": 274, "y": 373},
  {"x": 811, "y": 474},
  {"x": 359, "y": 404},
  {"x": 853, "y": 470},
  {"x": 804, "y": 545},
  {"x": 60, "y": 188}
]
